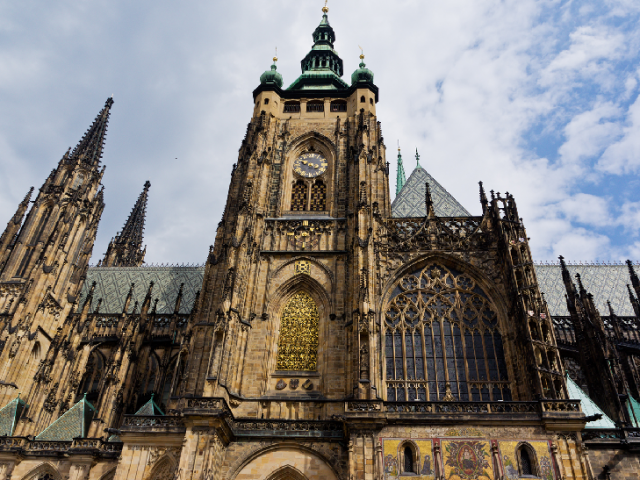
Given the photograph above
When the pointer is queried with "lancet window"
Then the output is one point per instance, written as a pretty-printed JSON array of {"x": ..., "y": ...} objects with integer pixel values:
[
  {"x": 298, "y": 343},
  {"x": 318, "y": 196},
  {"x": 442, "y": 340},
  {"x": 92, "y": 375},
  {"x": 299, "y": 196}
]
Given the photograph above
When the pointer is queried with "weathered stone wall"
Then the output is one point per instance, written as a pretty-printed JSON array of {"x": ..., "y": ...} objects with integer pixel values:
[{"x": 620, "y": 464}]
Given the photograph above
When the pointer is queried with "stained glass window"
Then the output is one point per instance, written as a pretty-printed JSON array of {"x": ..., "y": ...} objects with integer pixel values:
[
  {"x": 319, "y": 196},
  {"x": 448, "y": 327},
  {"x": 298, "y": 343},
  {"x": 299, "y": 196}
]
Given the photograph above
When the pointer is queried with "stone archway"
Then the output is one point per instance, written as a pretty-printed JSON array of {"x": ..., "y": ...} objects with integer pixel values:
[{"x": 286, "y": 463}]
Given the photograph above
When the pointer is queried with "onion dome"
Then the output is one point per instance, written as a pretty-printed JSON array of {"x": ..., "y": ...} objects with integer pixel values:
[
  {"x": 362, "y": 74},
  {"x": 272, "y": 76}
]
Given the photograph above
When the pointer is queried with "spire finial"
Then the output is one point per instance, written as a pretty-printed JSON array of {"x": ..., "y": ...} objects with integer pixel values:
[
  {"x": 483, "y": 198},
  {"x": 325, "y": 9},
  {"x": 361, "y": 53},
  {"x": 126, "y": 249},
  {"x": 275, "y": 57},
  {"x": 401, "y": 178},
  {"x": 417, "y": 159}
]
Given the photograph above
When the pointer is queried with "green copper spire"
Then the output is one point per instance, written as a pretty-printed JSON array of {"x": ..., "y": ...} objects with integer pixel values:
[
  {"x": 322, "y": 67},
  {"x": 417, "y": 159},
  {"x": 401, "y": 178}
]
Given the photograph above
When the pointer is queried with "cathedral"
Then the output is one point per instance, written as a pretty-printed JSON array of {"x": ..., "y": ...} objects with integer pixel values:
[{"x": 334, "y": 332}]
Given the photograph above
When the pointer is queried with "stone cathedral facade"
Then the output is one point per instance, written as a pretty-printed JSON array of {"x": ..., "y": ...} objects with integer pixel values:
[{"x": 332, "y": 334}]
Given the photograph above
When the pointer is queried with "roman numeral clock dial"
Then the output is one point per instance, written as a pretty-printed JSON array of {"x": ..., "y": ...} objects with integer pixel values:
[{"x": 310, "y": 165}]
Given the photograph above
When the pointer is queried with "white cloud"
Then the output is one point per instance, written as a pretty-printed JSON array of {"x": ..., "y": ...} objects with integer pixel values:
[{"x": 463, "y": 80}]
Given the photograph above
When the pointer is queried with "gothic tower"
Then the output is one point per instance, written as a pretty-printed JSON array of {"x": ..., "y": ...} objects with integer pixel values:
[{"x": 45, "y": 258}]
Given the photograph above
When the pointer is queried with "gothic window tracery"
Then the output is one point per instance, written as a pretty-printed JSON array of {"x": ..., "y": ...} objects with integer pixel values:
[
  {"x": 299, "y": 196},
  {"x": 318, "y": 196},
  {"x": 442, "y": 340},
  {"x": 92, "y": 375},
  {"x": 298, "y": 342}
]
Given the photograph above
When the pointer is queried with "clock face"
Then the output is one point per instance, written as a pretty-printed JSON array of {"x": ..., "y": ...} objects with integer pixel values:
[{"x": 310, "y": 165}]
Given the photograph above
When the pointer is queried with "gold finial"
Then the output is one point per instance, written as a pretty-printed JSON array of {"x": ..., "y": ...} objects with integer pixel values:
[
  {"x": 275, "y": 58},
  {"x": 325, "y": 9},
  {"x": 361, "y": 52}
]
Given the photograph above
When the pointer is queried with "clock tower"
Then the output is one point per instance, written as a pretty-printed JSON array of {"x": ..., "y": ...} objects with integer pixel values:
[{"x": 286, "y": 309}]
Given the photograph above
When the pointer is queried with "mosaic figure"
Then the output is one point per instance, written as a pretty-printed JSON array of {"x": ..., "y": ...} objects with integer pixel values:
[
  {"x": 546, "y": 470},
  {"x": 426, "y": 467},
  {"x": 467, "y": 459},
  {"x": 390, "y": 467},
  {"x": 510, "y": 470}
]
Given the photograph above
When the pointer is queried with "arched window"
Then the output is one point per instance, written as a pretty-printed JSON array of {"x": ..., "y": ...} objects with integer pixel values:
[
  {"x": 442, "y": 340},
  {"x": 93, "y": 373},
  {"x": 266, "y": 101},
  {"x": 362, "y": 99},
  {"x": 298, "y": 343},
  {"x": 292, "y": 107},
  {"x": 34, "y": 358},
  {"x": 338, "y": 106},
  {"x": 408, "y": 464},
  {"x": 299, "y": 196},
  {"x": 315, "y": 106},
  {"x": 150, "y": 374},
  {"x": 318, "y": 197},
  {"x": 166, "y": 384},
  {"x": 371, "y": 101},
  {"x": 526, "y": 460}
]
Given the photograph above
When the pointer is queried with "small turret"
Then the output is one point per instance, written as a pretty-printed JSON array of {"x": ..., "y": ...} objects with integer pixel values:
[
  {"x": 272, "y": 76},
  {"x": 362, "y": 74}
]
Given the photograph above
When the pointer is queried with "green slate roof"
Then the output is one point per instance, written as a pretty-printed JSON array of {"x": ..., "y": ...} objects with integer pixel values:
[
  {"x": 605, "y": 282},
  {"x": 113, "y": 283},
  {"x": 410, "y": 202},
  {"x": 588, "y": 406},
  {"x": 634, "y": 411},
  {"x": 72, "y": 424},
  {"x": 9, "y": 415},
  {"x": 150, "y": 408}
]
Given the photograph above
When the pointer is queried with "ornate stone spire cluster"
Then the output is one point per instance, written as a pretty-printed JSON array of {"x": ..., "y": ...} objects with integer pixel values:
[
  {"x": 89, "y": 149},
  {"x": 401, "y": 177},
  {"x": 125, "y": 250}
]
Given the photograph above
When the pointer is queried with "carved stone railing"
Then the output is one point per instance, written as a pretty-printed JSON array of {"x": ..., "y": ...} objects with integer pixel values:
[
  {"x": 561, "y": 406},
  {"x": 51, "y": 446},
  {"x": 286, "y": 428},
  {"x": 26, "y": 446},
  {"x": 448, "y": 408},
  {"x": 157, "y": 421}
]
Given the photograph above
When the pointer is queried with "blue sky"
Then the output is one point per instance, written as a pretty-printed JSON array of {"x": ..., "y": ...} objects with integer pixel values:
[{"x": 538, "y": 98}]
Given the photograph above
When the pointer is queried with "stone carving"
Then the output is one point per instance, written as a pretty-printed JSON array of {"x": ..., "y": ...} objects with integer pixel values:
[
  {"x": 280, "y": 385},
  {"x": 308, "y": 385},
  {"x": 293, "y": 384}
]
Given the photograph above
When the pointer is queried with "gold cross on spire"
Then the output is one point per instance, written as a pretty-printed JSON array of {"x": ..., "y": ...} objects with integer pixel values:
[
  {"x": 275, "y": 58},
  {"x": 325, "y": 9}
]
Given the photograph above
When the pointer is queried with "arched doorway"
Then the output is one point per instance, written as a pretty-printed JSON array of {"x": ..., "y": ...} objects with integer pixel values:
[{"x": 286, "y": 463}]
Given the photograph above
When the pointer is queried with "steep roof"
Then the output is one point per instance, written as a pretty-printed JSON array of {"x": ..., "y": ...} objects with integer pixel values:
[
  {"x": 410, "y": 202},
  {"x": 588, "y": 406},
  {"x": 9, "y": 415},
  {"x": 72, "y": 424},
  {"x": 605, "y": 282},
  {"x": 149, "y": 408},
  {"x": 113, "y": 283}
]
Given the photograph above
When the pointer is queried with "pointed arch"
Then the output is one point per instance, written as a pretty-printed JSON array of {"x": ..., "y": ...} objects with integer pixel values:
[
  {"x": 92, "y": 376},
  {"x": 45, "y": 471},
  {"x": 287, "y": 473},
  {"x": 441, "y": 335},
  {"x": 164, "y": 468}
]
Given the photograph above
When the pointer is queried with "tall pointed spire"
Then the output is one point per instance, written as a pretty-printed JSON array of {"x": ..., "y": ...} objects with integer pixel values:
[
  {"x": 90, "y": 147},
  {"x": 401, "y": 178},
  {"x": 125, "y": 250}
]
